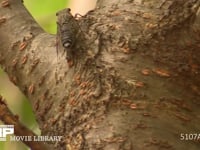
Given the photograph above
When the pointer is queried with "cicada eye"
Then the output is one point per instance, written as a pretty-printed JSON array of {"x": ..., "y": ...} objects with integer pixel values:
[{"x": 68, "y": 10}]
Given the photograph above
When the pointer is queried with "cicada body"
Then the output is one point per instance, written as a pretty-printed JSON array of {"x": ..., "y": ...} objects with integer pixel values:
[{"x": 67, "y": 30}]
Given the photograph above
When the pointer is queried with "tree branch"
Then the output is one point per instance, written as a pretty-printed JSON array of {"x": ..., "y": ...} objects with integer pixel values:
[
  {"x": 23, "y": 55},
  {"x": 8, "y": 118},
  {"x": 135, "y": 55}
]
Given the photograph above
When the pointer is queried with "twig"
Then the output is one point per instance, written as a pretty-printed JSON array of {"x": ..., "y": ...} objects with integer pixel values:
[{"x": 20, "y": 130}]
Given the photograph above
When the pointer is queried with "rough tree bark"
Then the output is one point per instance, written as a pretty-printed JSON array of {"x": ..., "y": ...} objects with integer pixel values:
[{"x": 135, "y": 81}]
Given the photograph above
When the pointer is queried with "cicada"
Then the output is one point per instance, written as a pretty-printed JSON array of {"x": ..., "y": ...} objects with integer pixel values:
[{"x": 67, "y": 31}]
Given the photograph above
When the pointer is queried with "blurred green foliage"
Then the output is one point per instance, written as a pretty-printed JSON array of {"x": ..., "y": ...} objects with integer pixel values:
[{"x": 44, "y": 13}]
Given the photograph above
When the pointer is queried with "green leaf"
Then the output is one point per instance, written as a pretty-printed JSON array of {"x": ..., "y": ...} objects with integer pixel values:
[{"x": 44, "y": 12}]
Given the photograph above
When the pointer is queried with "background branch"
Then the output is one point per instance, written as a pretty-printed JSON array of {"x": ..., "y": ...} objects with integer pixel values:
[{"x": 20, "y": 130}]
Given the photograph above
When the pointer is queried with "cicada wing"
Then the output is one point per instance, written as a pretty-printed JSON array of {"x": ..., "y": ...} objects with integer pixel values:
[{"x": 59, "y": 46}]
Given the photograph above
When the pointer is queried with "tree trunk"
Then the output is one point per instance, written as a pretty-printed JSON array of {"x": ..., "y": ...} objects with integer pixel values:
[{"x": 134, "y": 83}]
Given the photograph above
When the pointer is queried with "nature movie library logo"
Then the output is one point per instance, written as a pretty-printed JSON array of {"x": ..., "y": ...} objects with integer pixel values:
[{"x": 6, "y": 130}]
